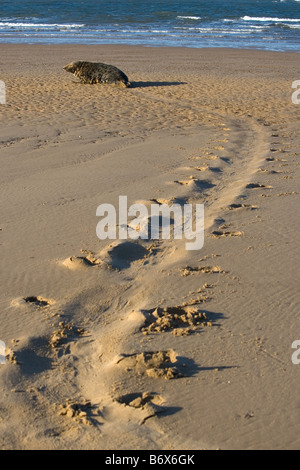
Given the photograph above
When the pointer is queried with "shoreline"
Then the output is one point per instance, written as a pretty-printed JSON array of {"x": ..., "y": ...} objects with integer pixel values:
[{"x": 146, "y": 46}]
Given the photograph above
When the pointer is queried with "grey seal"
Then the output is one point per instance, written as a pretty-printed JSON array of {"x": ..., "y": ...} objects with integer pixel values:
[{"x": 94, "y": 72}]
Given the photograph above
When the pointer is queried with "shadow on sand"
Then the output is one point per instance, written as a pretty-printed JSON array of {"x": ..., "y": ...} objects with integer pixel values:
[{"x": 150, "y": 84}]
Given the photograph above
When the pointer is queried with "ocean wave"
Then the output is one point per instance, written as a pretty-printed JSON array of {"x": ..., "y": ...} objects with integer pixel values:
[
  {"x": 189, "y": 17},
  {"x": 266, "y": 18},
  {"x": 39, "y": 25},
  {"x": 209, "y": 30}
]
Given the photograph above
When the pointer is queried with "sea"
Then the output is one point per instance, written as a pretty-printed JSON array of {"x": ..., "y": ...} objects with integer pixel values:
[{"x": 252, "y": 24}]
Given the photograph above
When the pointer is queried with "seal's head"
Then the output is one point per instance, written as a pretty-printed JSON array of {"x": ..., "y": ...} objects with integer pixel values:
[{"x": 71, "y": 67}]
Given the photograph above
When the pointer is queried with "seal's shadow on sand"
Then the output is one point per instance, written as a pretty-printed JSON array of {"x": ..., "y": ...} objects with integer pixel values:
[{"x": 150, "y": 84}]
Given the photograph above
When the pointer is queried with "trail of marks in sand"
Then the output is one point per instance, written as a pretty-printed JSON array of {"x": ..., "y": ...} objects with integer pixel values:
[
  {"x": 64, "y": 334},
  {"x": 236, "y": 165},
  {"x": 181, "y": 321},
  {"x": 151, "y": 404},
  {"x": 80, "y": 262},
  {"x": 201, "y": 269},
  {"x": 227, "y": 233},
  {"x": 119, "y": 255},
  {"x": 236, "y": 162},
  {"x": 196, "y": 183},
  {"x": 124, "y": 372},
  {"x": 45, "y": 371},
  {"x": 257, "y": 186},
  {"x": 32, "y": 300},
  {"x": 245, "y": 145},
  {"x": 38, "y": 301},
  {"x": 82, "y": 412},
  {"x": 154, "y": 364},
  {"x": 240, "y": 206}
]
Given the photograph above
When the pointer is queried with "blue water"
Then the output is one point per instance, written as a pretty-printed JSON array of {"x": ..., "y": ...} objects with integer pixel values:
[{"x": 261, "y": 24}]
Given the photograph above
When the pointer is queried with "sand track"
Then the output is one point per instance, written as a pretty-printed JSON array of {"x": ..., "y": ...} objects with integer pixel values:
[
  {"x": 88, "y": 357},
  {"x": 98, "y": 354}
]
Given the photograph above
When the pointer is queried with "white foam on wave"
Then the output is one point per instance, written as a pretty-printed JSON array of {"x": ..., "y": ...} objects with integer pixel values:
[
  {"x": 39, "y": 25},
  {"x": 215, "y": 30},
  {"x": 189, "y": 17},
  {"x": 266, "y": 18}
]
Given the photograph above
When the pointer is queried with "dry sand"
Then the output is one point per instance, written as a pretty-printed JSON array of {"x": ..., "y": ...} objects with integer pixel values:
[{"x": 145, "y": 345}]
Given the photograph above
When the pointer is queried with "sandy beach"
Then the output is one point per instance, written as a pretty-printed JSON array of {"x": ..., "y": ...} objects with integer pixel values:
[{"x": 142, "y": 344}]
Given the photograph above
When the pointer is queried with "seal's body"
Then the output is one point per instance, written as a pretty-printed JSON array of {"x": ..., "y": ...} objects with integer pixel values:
[{"x": 93, "y": 72}]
